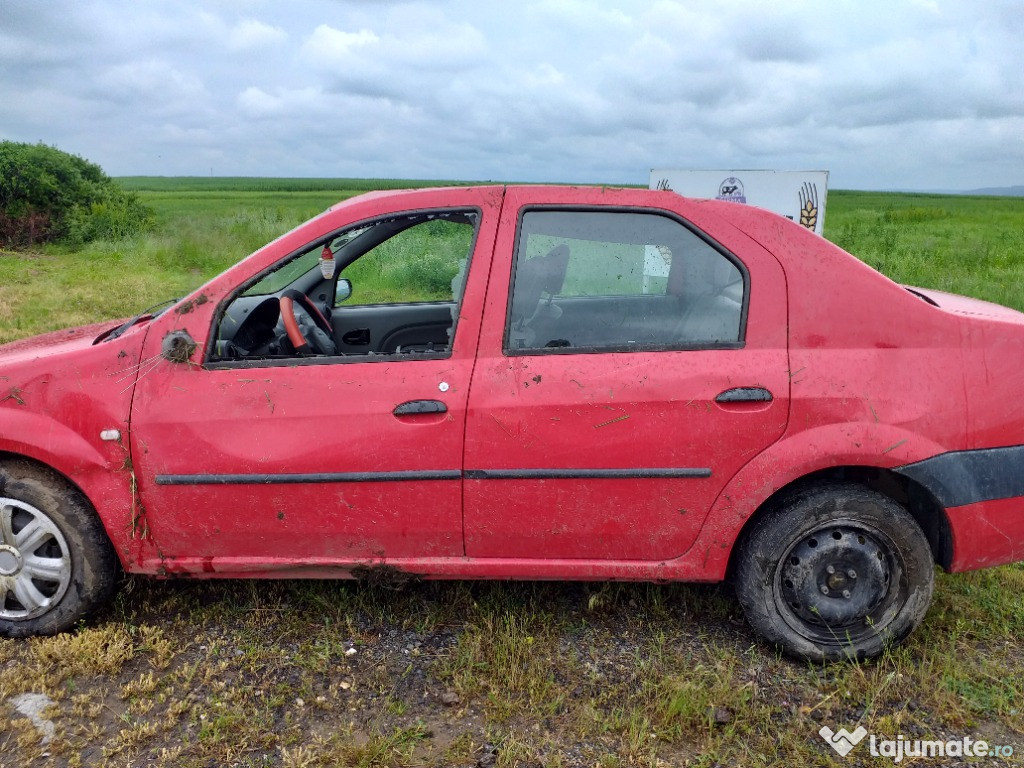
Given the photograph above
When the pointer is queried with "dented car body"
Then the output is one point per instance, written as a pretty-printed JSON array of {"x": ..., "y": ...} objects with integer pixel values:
[{"x": 621, "y": 384}]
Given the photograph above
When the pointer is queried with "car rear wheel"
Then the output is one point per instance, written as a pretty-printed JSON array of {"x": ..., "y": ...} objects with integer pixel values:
[
  {"x": 56, "y": 562},
  {"x": 835, "y": 572}
]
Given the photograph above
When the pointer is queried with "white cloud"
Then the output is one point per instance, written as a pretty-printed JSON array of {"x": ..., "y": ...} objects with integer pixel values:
[
  {"x": 252, "y": 34},
  {"x": 327, "y": 43},
  {"x": 256, "y": 102},
  {"x": 301, "y": 103},
  {"x": 907, "y": 93},
  {"x": 150, "y": 79}
]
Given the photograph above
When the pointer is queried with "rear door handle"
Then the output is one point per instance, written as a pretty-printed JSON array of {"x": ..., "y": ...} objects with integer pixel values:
[
  {"x": 745, "y": 395},
  {"x": 420, "y": 406}
]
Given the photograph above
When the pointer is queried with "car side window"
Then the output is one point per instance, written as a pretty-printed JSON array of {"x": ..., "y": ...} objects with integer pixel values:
[
  {"x": 621, "y": 280},
  {"x": 390, "y": 287},
  {"x": 417, "y": 264}
]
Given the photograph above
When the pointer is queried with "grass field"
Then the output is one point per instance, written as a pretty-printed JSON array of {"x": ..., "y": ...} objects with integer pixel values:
[
  {"x": 308, "y": 674},
  {"x": 969, "y": 245}
]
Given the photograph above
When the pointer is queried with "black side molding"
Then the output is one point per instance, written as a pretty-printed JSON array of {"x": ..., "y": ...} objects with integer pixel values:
[
  {"x": 580, "y": 474},
  {"x": 440, "y": 474},
  {"x": 968, "y": 477},
  {"x": 312, "y": 477}
]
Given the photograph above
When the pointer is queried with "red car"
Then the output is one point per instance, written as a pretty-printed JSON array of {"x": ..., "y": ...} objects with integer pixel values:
[{"x": 527, "y": 383}]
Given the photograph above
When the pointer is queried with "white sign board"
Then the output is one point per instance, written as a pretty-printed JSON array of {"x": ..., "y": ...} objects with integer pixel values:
[{"x": 797, "y": 195}]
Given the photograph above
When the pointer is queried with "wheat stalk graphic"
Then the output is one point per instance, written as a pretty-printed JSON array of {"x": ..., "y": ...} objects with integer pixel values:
[{"x": 809, "y": 206}]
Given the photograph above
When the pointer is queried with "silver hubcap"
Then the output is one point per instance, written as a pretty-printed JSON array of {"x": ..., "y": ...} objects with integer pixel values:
[
  {"x": 35, "y": 563},
  {"x": 10, "y": 561}
]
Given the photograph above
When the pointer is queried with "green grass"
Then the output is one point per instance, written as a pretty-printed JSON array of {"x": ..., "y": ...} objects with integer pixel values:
[
  {"x": 242, "y": 673},
  {"x": 198, "y": 235},
  {"x": 418, "y": 264},
  {"x": 968, "y": 245},
  {"x": 194, "y": 674}
]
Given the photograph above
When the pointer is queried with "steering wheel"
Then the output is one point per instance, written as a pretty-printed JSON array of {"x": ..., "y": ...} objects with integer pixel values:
[{"x": 320, "y": 343}]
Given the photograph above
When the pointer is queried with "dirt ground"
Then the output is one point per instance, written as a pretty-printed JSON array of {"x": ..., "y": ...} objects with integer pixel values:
[{"x": 454, "y": 674}]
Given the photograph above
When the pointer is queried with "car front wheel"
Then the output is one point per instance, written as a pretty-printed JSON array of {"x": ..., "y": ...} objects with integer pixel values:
[
  {"x": 835, "y": 572},
  {"x": 56, "y": 562}
]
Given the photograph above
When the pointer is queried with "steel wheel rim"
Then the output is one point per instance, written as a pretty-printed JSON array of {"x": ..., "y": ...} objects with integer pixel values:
[
  {"x": 35, "y": 561},
  {"x": 819, "y": 598}
]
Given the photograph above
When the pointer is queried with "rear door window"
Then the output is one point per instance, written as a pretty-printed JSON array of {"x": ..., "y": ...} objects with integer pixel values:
[{"x": 621, "y": 280}]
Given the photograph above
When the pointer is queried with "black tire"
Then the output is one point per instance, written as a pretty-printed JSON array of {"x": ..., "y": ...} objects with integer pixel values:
[
  {"x": 64, "y": 567},
  {"x": 834, "y": 572}
]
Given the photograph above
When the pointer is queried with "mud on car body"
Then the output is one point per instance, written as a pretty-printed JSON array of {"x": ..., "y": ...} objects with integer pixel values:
[{"x": 530, "y": 383}]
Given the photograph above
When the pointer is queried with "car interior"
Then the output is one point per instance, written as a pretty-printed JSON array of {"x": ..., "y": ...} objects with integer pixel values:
[
  {"x": 391, "y": 287},
  {"x": 603, "y": 285},
  {"x": 684, "y": 316},
  {"x": 583, "y": 281}
]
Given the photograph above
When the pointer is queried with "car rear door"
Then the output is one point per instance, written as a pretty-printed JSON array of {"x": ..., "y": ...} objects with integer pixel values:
[{"x": 638, "y": 363}]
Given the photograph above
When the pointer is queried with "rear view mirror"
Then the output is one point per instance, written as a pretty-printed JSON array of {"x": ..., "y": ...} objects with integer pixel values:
[{"x": 343, "y": 291}]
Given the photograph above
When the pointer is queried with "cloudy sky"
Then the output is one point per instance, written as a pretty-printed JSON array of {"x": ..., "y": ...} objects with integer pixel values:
[{"x": 906, "y": 94}]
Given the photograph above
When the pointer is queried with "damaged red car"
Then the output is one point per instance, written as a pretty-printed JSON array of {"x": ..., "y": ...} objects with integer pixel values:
[{"x": 527, "y": 383}]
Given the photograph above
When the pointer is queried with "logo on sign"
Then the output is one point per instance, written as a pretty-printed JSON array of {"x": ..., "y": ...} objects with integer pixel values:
[{"x": 732, "y": 190}]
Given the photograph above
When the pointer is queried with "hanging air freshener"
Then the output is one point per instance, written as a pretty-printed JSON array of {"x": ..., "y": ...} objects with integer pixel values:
[{"x": 327, "y": 263}]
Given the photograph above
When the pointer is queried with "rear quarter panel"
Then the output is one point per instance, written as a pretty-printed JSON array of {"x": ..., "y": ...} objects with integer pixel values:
[
  {"x": 991, "y": 531},
  {"x": 876, "y": 376}
]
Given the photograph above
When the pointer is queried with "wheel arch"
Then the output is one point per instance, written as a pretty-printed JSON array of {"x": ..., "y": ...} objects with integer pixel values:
[
  {"x": 88, "y": 561},
  {"x": 11, "y": 457},
  {"x": 921, "y": 503},
  {"x": 106, "y": 495},
  {"x": 38, "y": 438}
]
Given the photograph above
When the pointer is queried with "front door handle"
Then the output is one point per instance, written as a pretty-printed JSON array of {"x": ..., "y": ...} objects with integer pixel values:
[
  {"x": 745, "y": 395},
  {"x": 420, "y": 406}
]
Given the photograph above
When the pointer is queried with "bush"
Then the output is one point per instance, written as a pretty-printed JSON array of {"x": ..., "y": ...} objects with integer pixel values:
[{"x": 51, "y": 196}]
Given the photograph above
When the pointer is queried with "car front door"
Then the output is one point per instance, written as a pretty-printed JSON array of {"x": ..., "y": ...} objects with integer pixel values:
[
  {"x": 632, "y": 360},
  {"x": 271, "y": 461}
]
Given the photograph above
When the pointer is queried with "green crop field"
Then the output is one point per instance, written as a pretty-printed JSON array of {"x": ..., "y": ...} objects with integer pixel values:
[
  {"x": 969, "y": 245},
  {"x": 311, "y": 674}
]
